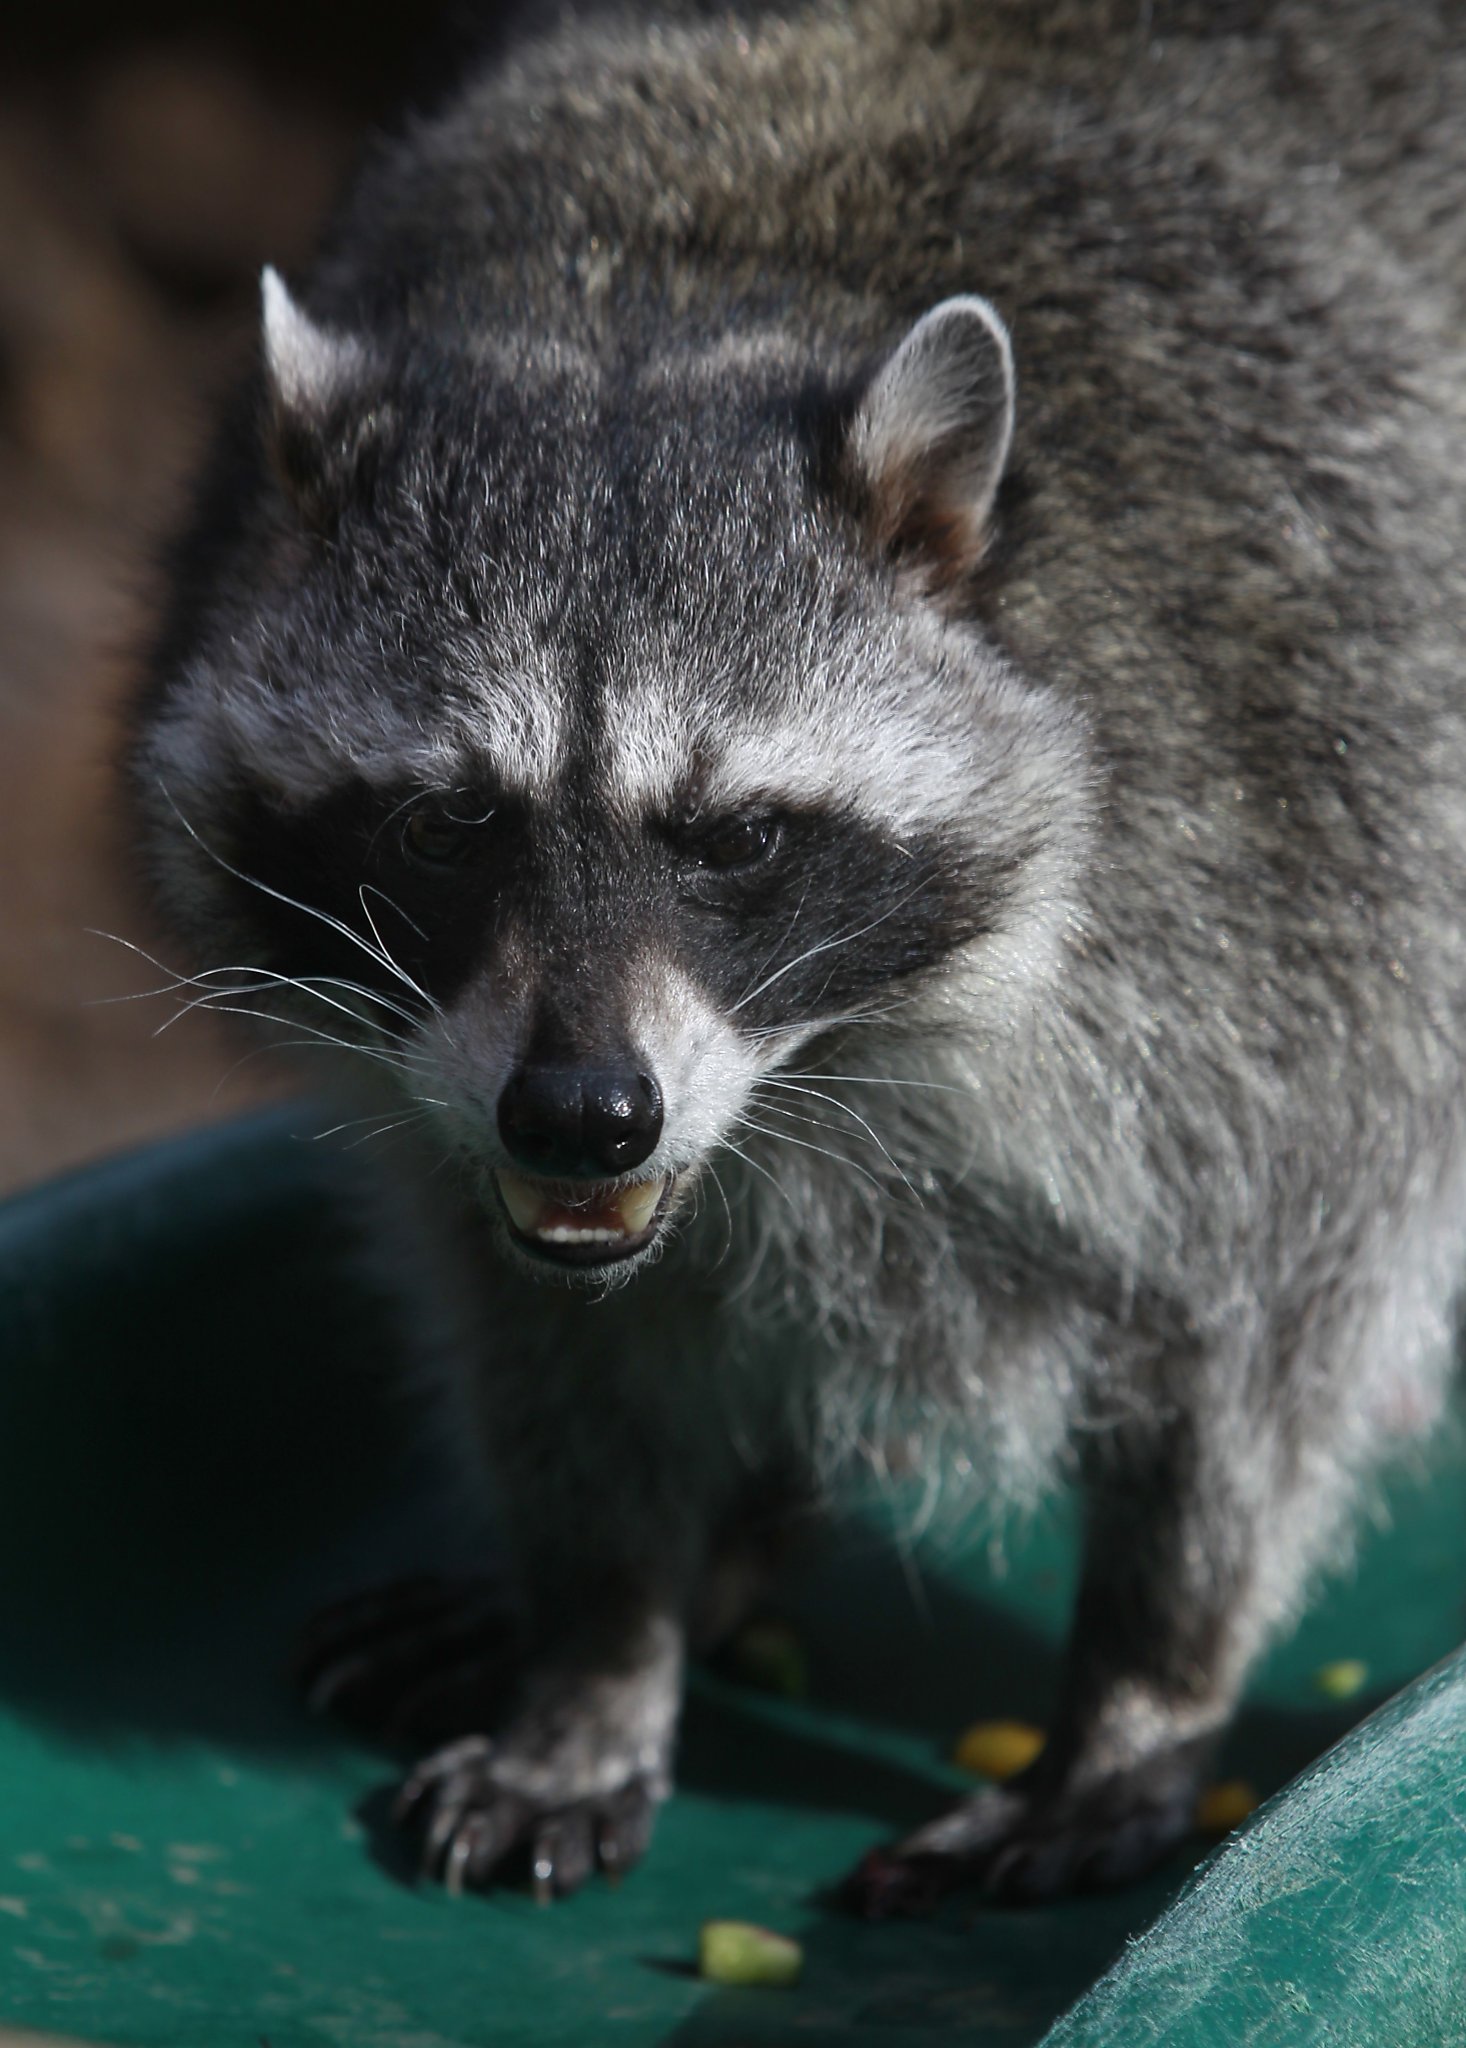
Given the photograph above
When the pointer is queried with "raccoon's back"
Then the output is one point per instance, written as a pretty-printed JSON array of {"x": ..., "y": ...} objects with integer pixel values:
[{"x": 685, "y": 148}]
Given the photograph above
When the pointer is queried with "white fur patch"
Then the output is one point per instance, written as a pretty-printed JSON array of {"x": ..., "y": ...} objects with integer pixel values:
[
  {"x": 703, "y": 1065},
  {"x": 512, "y": 726},
  {"x": 309, "y": 367},
  {"x": 937, "y": 729}
]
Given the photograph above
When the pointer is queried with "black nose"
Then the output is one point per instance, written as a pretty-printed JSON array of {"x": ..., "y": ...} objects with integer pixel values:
[{"x": 587, "y": 1122}]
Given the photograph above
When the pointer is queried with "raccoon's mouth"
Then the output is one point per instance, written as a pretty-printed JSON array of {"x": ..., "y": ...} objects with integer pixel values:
[{"x": 583, "y": 1223}]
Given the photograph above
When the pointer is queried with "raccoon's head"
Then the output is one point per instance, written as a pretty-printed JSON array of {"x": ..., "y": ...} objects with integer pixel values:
[{"x": 577, "y": 739}]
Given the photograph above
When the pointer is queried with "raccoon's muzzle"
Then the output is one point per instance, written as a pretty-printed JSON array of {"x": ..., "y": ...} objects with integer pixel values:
[
  {"x": 583, "y": 1223},
  {"x": 577, "y": 1131}
]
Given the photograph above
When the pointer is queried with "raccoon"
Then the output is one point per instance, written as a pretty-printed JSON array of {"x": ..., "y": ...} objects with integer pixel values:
[{"x": 826, "y": 654}]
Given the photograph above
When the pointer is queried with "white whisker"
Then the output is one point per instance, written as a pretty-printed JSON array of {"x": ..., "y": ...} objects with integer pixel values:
[
  {"x": 818, "y": 1095},
  {"x": 403, "y": 1062},
  {"x": 787, "y": 1137},
  {"x": 310, "y": 984},
  {"x": 371, "y": 889},
  {"x": 324, "y": 917},
  {"x": 866, "y": 1080},
  {"x": 748, "y": 1160},
  {"x": 780, "y": 942},
  {"x": 727, "y": 1250},
  {"x": 352, "y": 1123},
  {"x": 211, "y": 999},
  {"x": 820, "y": 1026},
  {"x": 829, "y": 945},
  {"x": 400, "y": 1125}
]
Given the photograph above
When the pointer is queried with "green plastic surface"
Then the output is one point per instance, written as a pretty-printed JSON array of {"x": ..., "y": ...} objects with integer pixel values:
[
  {"x": 203, "y": 1438},
  {"x": 1338, "y": 1916}
]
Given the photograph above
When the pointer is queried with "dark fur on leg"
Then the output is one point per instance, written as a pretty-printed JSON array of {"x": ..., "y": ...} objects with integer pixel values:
[
  {"x": 1188, "y": 1550},
  {"x": 1049, "y": 1832},
  {"x": 424, "y": 1658}
]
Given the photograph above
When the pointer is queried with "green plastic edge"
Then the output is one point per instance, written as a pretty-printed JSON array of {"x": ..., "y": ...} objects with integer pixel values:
[{"x": 1336, "y": 1915}]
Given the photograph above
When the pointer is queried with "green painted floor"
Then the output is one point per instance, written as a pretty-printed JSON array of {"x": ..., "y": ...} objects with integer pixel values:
[{"x": 201, "y": 1440}]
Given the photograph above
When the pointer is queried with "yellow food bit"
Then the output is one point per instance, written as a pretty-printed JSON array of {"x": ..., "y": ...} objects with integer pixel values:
[
  {"x": 1224, "y": 1807},
  {"x": 736, "y": 1952},
  {"x": 1342, "y": 1680},
  {"x": 998, "y": 1749}
]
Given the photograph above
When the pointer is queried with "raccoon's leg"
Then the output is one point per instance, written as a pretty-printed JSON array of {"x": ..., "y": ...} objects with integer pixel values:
[
  {"x": 424, "y": 1658},
  {"x": 433, "y": 1659},
  {"x": 1197, "y": 1539},
  {"x": 570, "y": 1779},
  {"x": 777, "y": 1515},
  {"x": 619, "y": 1474},
  {"x": 572, "y": 1782}
]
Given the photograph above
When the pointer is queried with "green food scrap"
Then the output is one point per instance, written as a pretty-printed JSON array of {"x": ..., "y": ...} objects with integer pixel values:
[
  {"x": 1341, "y": 1680},
  {"x": 736, "y": 1952}
]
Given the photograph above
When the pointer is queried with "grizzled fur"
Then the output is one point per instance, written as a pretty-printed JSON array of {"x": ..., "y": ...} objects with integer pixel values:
[{"x": 602, "y": 492}]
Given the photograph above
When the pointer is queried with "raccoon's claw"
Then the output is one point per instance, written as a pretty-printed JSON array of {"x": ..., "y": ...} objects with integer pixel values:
[
  {"x": 1022, "y": 1846},
  {"x": 424, "y": 1657},
  {"x": 888, "y": 1884},
  {"x": 477, "y": 1831}
]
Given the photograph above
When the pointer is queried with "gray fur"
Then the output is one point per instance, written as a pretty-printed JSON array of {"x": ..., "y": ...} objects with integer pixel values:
[{"x": 1150, "y": 1172}]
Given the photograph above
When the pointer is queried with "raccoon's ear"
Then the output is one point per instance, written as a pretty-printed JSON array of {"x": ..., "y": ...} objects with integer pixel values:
[
  {"x": 929, "y": 439},
  {"x": 322, "y": 422}
]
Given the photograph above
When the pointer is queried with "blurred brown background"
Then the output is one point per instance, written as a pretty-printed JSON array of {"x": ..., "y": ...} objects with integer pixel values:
[{"x": 151, "y": 160}]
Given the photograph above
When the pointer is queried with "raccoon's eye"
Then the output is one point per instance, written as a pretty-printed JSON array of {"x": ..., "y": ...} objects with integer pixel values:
[
  {"x": 736, "y": 841},
  {"x": 435, "y": 839}
]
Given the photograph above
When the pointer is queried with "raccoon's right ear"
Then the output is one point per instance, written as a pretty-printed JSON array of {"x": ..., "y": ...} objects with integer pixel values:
[
  {"x": 929, "y": 441},
  {"x": 322, "y": 424}
]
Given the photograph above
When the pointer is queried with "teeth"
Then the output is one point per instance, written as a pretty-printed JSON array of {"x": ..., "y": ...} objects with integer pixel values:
[
  {"x": 637, "y": 1204},
  {"x": 523, "y": 1200},
  {"x": 560, "y": 1213}
]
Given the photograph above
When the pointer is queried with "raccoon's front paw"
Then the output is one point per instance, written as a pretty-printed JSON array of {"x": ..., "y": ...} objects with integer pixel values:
[
  {"x": 478, "y": 1827},
  {"x": 424, "y": 1658},
  {"x": 1034, "y": 1840}
]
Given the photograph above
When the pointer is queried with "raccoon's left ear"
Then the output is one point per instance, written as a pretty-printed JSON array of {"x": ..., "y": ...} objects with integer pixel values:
[
  {"x": 929, "y": 440},
  {"x": 322, "y": 424}
]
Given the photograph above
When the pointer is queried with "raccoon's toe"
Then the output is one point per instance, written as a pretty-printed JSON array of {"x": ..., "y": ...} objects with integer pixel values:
[
  {"x": 1091, "y": 1843},
  {"x": 1031, "y": 1841},
  {"x": 903, "y": 1880},
  {"x": 422, "y": 1659},
  {"x": 476, "y": 1831}
]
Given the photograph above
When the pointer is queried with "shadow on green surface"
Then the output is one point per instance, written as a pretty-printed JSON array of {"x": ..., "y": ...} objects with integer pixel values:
[{"x": 199, "y": 1431}]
